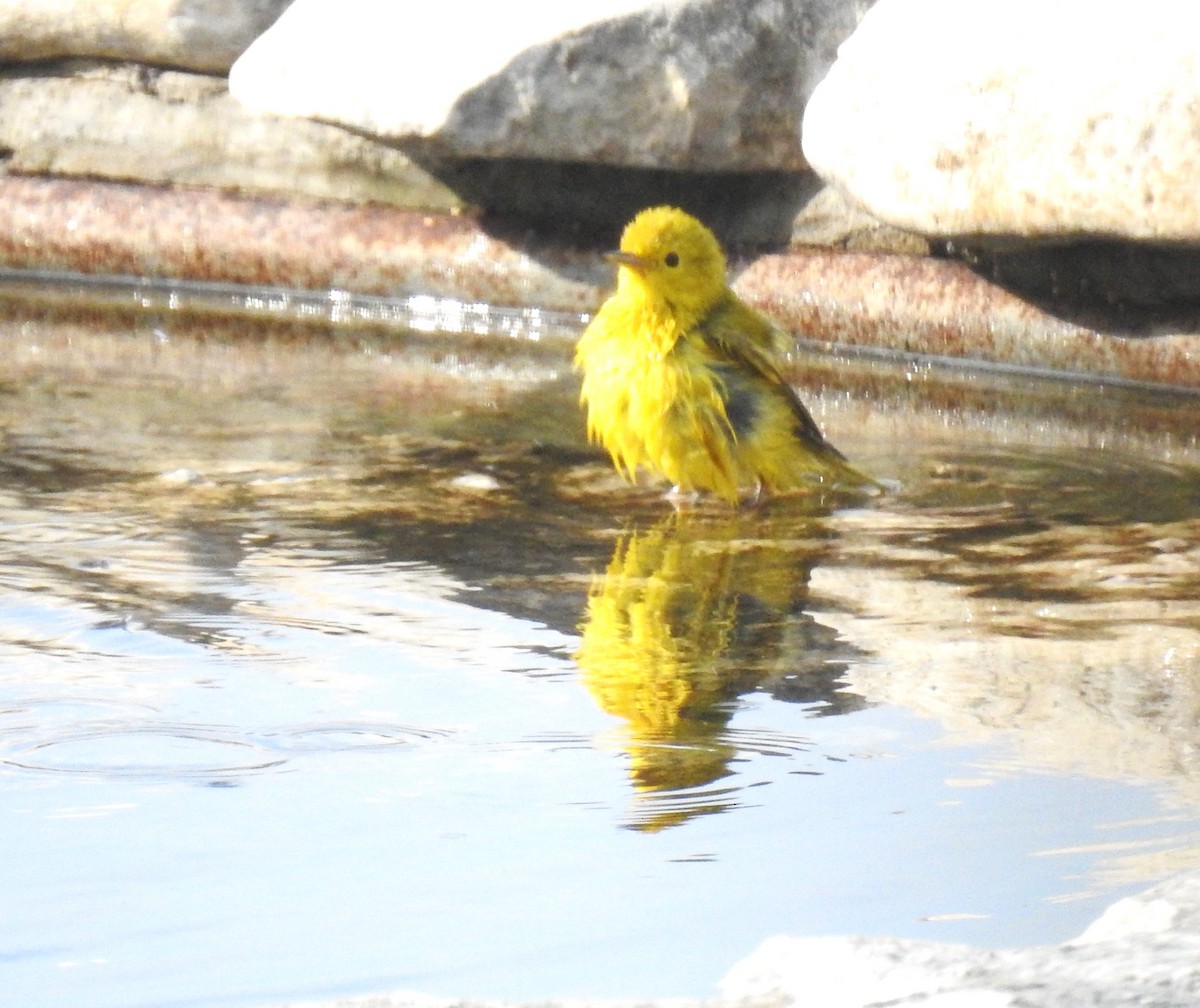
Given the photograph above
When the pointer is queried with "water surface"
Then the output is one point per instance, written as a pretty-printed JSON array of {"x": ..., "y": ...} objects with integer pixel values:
[{"x": 335, "y": 662}]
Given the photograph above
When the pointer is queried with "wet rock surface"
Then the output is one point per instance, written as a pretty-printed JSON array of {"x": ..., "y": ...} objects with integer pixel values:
[
  {"x": 867, "y": 302},
  {"x": 208, "y": 235}
]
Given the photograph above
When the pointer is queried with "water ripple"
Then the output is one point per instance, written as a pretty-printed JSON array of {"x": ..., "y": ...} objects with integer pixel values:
[
  {"x": 146, "y": 751},
  {"x": 115, "y": 740},
  {"x": 348, "y": 736},
  {"x": 652, "y": 811},
  {"x": 763, "y": 742},
  {"x": 41, "y": 713}
]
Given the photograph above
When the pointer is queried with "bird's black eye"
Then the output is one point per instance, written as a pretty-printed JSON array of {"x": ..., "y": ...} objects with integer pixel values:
[{"x": 672, "y": 259}]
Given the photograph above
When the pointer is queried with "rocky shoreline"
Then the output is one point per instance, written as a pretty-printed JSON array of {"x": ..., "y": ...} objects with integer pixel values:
[
  {"x": 201, "y": 141},
  {"x": 877, "y": 303}
]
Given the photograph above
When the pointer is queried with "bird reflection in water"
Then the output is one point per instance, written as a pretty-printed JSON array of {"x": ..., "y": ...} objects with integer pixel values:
[{"x": 692, "y": 613}]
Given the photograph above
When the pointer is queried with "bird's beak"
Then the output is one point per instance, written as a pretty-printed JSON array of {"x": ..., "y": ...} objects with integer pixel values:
[{"x": 634, "y": 262}]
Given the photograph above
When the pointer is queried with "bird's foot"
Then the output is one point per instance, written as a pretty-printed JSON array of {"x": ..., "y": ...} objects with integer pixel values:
[{"x": 682, "y": 500}]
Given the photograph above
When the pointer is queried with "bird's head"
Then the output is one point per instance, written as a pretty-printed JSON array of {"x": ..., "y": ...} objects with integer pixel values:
[{"x": 670, "y": 257}]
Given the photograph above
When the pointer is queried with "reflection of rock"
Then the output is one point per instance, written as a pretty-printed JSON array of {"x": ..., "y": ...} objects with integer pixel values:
[
  {"x": 1082, "y": 639},
  {"x": 691, "y": 614}
]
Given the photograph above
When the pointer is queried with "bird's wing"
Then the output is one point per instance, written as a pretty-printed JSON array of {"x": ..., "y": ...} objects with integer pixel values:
[
  {"x": 737, "y": 335},
  {"x": 744, "y": 334}
]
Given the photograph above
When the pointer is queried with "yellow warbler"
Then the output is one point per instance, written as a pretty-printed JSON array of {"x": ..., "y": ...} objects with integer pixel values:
[{"x": 680, "y": 376}]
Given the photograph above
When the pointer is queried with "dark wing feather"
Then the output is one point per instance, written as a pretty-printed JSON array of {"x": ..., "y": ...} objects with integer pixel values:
[{"x": 744, "y": 340}]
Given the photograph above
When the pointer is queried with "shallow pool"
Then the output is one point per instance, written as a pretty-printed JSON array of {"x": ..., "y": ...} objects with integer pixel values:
[{"x": 335, "y": 662}]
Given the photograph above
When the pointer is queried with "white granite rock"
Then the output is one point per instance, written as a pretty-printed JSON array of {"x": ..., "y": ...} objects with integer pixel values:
[
  {"x": 1053, "y": 119},
  {"x": 194, "y": 34},
  {"x": 1145, "y": 949},
  {"x": 711, "y": 85},
  {"x": 1172, "y": 908}
]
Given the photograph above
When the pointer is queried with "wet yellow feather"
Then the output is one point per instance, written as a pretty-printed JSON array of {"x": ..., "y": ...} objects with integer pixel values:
[{"x": 680, "y": 376}]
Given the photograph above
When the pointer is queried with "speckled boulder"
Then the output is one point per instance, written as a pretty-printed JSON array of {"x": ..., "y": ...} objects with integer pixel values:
[{"x": 1055, "y": 119}]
